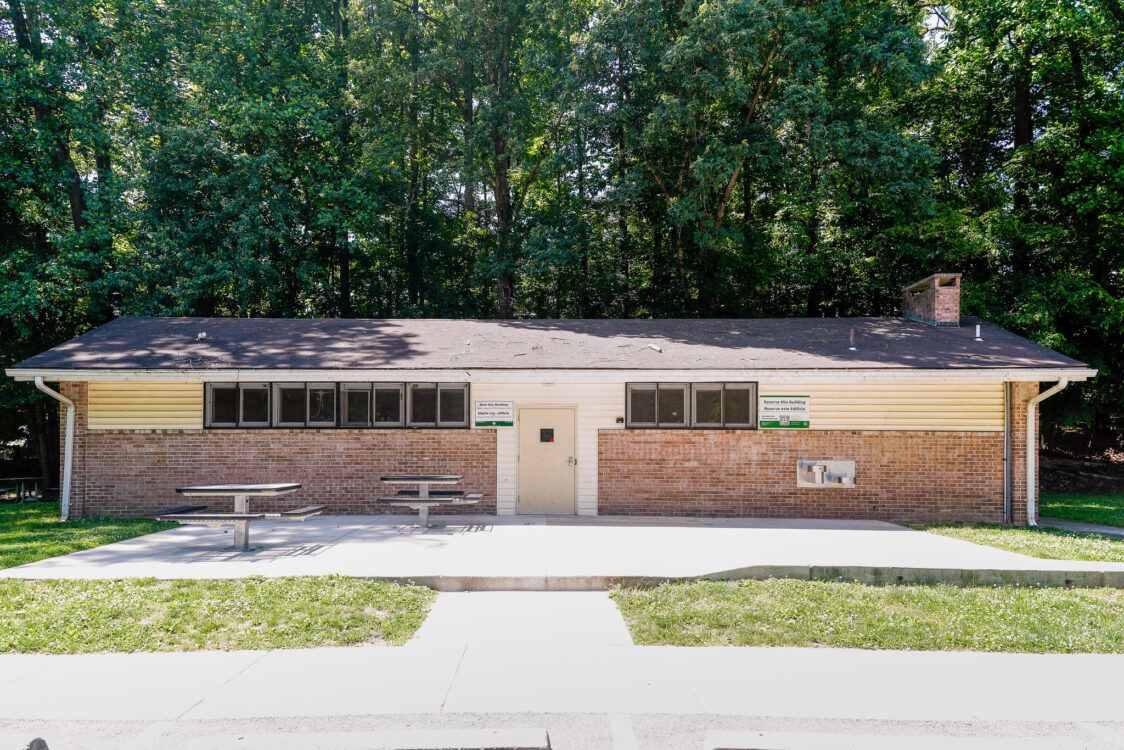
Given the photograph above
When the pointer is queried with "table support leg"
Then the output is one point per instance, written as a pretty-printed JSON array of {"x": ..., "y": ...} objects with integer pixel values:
[
  {"x": 423, "y": 512},
  {"x": 241, "y": 528}
]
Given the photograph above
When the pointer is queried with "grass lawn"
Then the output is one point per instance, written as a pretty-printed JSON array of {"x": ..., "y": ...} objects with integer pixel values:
[
  {"x": 32, "y": 531},
  {"x": 69, "y": 617},
  {"x": 853, "y": 615},
  {"x": 1106, "y": 509},
  {"x": 1041, "y": 541}
]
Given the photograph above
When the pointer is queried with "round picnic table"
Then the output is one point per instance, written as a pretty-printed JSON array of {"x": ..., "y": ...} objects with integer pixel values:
[{"x": 242, "y": 494}]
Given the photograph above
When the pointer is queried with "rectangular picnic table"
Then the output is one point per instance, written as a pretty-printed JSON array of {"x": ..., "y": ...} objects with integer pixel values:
[
  {"x": 20, "y": 485},
  {"x": 241, "y": 516},
  {"x": 422, "y": 499}
]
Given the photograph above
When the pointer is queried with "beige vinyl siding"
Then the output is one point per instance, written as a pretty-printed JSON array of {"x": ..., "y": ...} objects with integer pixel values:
[
  {"x": 145, "y": 406},
  {"x": 598, "y": 405},
  {"x": 976, "y": 407}
]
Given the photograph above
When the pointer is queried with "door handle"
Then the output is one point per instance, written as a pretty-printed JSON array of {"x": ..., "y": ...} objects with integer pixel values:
[{"x": 571, "y": 461}]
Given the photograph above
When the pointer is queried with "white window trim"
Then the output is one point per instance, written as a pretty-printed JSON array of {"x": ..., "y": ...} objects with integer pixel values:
[
  {"x": 410, "y": 388},
  {"x": 629, "y": 388},
  {"x": 277, "y": 388},
  {"x": 686, "y": 389},
  {"x": 211, "y": 404},
  {"x": 463, "y": 421},
  {"x": 308, "y": 404},
  {"x": 718, "y": 388},
  {"x": 346, "y": 390},
  {"x": 400, "y": 388},
  {"x": 242, "y": 389},
  {"x": 752, "y": 423}
]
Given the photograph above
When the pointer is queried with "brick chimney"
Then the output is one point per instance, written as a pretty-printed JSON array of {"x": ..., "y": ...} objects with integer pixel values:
[{"x": 934, "y": 301}]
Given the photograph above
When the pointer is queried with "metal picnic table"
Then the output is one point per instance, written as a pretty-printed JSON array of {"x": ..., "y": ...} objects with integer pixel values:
[
  {"x": 241, "y": 517},
  {"x": 422, "y": 499},
  {"x": 21, "y": 487}
]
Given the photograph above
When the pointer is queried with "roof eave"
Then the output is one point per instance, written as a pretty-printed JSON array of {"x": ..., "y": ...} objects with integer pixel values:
[{"x": 570, "y": 374}]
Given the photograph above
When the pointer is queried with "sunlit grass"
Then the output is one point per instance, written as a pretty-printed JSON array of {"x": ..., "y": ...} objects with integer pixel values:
[
  {"x": 65, "y": 616},
  {"x": 781, "y": 612},
  {"x": 32, "y": 531},
  {"x": 1041, "y": 541}
]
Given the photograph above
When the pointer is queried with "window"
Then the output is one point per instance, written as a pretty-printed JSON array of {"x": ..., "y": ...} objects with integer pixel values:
[
  {"x": 641, "y": 405},
  {"x": 289, "y": 405},
  {"x": 388, "y": 405},
  {"x": 423, "y": 404},
  {"x": 321, "y": 405},
  {"x": 452, "y": 409},
  {"x": 223, "y": 405},
  {"x": 254, "y": 405},
  {"x": 700, "y": 405},
  {"x": 657, "y": 405},
  {"x": 708, "y": 405},
  {"x": 740, "y": 405},
  {"x": 671, "y": 405},
  {"x": 331, "y": 405},
  {"x": 356, "y": 405}
]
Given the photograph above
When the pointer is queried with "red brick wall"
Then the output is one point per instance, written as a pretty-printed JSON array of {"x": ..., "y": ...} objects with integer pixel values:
[
  {"x": 900, "y": 476},
  {"x": 135, "y": 472},
  {"x": 937, "y": 304}
]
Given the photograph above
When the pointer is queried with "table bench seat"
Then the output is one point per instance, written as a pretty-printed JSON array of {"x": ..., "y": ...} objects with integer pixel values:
[
  {"x": 432, "y": 493},
  {"x": 422, "y": 505},
  {"x": 299, "y": 514},
  {"x": 212, "y": 517}
]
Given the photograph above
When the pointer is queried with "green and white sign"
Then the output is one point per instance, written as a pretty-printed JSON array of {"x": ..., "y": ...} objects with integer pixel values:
[
  {"x": 494, "y": 413},
  {"x": 784, "y": 412}
]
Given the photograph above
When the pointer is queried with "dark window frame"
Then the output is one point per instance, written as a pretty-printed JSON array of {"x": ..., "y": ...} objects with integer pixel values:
[
  {"x": 691, "y": 409},
  {"x": 273, "y": 404}
]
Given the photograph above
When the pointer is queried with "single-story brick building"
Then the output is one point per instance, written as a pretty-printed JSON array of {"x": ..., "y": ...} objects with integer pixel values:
[{"x": 917, "y": 418}]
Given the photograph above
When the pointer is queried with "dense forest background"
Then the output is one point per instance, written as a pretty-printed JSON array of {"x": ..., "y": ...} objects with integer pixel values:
[{"x": 561, "y": 158}]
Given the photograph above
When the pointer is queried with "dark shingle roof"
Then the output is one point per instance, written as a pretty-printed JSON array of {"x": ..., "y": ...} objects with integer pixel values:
[{"x": 777, "y": 343}]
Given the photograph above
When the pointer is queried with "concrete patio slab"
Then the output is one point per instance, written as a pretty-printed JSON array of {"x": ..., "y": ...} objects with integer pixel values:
[{"x": 542, "y": 553}]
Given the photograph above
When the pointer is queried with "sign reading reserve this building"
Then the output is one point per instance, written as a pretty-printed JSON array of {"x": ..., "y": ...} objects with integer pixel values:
[{"x": 784, "y": 411}]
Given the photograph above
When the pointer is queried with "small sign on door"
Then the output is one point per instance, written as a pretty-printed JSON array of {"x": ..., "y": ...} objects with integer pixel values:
[
  {"x": 546, "y": 435},
  {"x": 494, "y": 413}
]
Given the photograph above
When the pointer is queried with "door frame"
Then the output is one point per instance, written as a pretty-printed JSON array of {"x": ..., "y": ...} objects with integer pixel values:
[{"x": 573, "y": 409}]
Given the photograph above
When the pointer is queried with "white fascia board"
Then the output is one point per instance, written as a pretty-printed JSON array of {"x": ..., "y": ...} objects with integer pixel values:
[{"x": 832, "y": 375}]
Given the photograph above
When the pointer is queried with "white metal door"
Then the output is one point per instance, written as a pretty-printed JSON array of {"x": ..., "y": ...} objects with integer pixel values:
[{"x": 547, "y": 475}]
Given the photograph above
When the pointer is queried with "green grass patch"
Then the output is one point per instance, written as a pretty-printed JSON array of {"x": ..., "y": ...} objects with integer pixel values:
[
  {"x": 1106, "y": 509},
  {"x": 32, "y": 531},
  {"x": 781, "y": 612},
  {"x": 70, "y": 617},
  {"x": 1041, "y": 541}
]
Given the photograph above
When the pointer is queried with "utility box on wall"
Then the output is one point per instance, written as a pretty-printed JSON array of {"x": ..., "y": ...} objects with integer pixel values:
[{"x": 825, "y": 474}]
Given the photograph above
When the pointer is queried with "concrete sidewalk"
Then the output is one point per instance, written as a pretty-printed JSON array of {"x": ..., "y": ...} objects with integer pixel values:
[
  {"x": 536, "y": 553},
  {"x": 1113, "y": 532},
  {"x": 520, "y": 652}
]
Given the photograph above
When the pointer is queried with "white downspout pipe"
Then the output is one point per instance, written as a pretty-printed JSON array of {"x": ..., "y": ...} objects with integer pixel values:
[
  {"x": 68, "y": 447},
  {"x": 1031, "y": 452}
]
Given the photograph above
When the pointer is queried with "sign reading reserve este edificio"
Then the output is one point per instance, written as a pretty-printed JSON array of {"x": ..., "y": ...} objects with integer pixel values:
[{"x": 783, "y": 412}]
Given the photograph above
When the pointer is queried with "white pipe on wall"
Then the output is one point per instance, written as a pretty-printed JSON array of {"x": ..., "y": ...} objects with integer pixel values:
[
  {"x": 68, "y": 447},
  {"x": 1031, "y": 452}
]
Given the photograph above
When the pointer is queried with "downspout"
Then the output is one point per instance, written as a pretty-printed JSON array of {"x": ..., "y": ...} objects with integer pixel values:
[
  {"x": 1031, "y": 445},
  {"x": 68, "y": 447},
  {"x": 1007, "y": 510}
]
